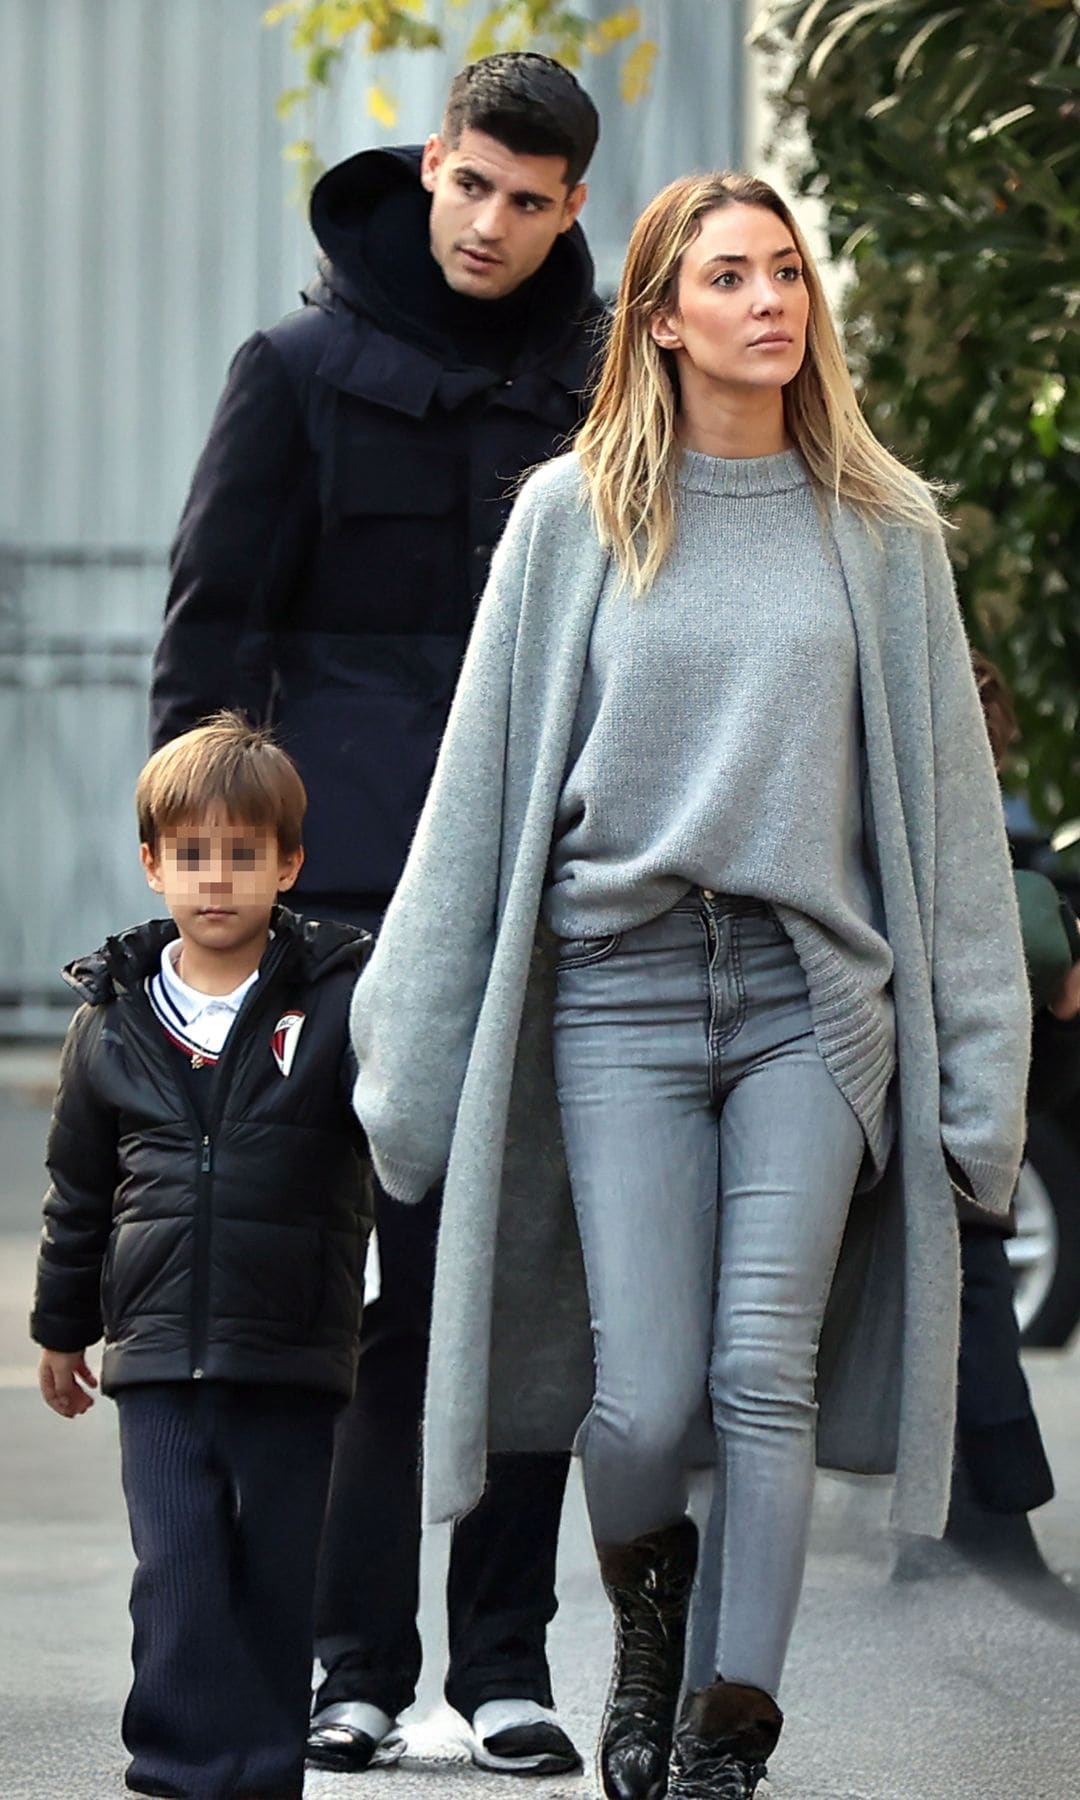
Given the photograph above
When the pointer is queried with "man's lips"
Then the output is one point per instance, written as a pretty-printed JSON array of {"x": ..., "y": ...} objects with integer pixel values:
[
  {"x": 482, "y": 257},
  {"x": 217, "y": 912}
]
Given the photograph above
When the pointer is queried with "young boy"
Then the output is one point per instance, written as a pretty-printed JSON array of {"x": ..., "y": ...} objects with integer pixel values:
[{"x": 207, "y": 1216}]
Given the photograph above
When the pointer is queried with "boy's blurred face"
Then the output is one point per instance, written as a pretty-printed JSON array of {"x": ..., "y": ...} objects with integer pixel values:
[{"x": 220, "y": 879}]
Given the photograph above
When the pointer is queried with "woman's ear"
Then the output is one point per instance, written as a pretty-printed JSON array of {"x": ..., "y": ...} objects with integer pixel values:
[{"x": 662, "y": 331}]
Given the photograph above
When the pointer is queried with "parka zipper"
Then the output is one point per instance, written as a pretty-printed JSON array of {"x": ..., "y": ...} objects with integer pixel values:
[
  {"x": 255, "y": 1003},
  {"x": 204, "y": 1134}
]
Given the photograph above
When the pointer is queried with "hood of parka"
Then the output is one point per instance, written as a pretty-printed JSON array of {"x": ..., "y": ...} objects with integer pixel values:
[
  {"x": 370, "y": 217},
  {"x": 124, "y": 961}
]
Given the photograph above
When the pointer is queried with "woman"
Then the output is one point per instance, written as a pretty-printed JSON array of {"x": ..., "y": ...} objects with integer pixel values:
[{"x": 717, "y": 724}]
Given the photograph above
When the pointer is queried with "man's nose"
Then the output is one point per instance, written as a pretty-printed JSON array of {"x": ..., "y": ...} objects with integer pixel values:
[{"x": 490, "y": 222}]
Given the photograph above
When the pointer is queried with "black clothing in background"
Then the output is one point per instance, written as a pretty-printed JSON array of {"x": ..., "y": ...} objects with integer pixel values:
[
  {"x": 358, "y": 474},
  {"x": 998, "y": 1436}
]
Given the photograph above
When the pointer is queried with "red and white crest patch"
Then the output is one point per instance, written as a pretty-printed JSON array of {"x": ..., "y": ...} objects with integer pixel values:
[{"x": 286, "y": 1036}]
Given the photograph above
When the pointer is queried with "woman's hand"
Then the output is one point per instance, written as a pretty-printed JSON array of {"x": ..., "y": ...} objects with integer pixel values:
[
  {"x": 1066, "y": 1002},
  {"x": 64, "y": 1377}
]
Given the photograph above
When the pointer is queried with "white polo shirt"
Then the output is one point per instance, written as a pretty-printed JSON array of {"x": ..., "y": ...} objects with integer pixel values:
[{"x": 197, "y": 1023}]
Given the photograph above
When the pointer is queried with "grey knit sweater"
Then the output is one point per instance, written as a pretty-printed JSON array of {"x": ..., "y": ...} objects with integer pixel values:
[
  {"x": 717, "y": 743},
  {"x": 452, "y": 1018}
]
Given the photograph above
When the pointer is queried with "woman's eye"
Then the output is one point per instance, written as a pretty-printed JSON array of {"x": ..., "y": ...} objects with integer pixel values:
[
  {"x": 728, "y": 279},
  {"x": 791, "y": 273}
]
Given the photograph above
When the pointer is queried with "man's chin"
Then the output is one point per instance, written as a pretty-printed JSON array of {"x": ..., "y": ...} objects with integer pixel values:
[{"x": 477, "y": 284}]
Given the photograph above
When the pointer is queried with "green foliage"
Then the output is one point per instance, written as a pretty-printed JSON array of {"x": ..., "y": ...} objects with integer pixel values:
[
  {"x": 321, "y": 30},
  {"x": 946, "y": 148}
]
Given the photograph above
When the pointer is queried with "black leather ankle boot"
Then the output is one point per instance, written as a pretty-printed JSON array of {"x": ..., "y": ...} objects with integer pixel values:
[
  {"x": 722, "y": 1741},
  {"x": 648, "y": 1583}
]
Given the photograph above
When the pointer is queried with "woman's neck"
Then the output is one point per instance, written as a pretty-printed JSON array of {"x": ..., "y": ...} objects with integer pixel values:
[{"x": 733, "y": 424}]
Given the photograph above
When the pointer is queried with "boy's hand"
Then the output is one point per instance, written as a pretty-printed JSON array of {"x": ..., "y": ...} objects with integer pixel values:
[
  {"x": 1066, "y": 1002},
  {"x": 60, "y": 1373}
]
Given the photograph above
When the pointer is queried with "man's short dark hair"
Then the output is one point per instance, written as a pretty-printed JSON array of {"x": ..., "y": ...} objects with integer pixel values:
[{"x": 528, "y": 102}]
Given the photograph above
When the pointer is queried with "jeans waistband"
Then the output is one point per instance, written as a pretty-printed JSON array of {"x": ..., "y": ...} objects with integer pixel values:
[{"x": 735, "y": 905}]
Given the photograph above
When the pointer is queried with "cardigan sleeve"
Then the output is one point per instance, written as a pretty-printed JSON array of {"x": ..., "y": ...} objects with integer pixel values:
[
  {"x": 981, "y": 999},
  {"x": 416, "y": 1004}
]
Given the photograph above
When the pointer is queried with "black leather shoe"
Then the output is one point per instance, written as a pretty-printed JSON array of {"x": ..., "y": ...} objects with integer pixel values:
[
  {"x": 723, "y": 1738},
  {"x": 336, "y": 1741},
  {"x": 648, "y": 1583}
]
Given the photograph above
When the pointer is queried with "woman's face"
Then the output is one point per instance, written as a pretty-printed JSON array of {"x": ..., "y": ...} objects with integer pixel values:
[{"x": 742, "y": 306}]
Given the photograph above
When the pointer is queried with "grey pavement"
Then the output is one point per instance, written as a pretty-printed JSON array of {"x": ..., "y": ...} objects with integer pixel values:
[{"x": 959, "y": 1686}]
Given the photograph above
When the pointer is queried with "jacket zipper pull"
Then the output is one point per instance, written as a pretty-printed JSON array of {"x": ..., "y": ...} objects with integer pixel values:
[{"x": 205, "y": 1164}]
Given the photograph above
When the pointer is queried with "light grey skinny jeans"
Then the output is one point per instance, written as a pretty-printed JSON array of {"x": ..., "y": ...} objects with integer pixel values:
[{"x": 712, "y": 1160}]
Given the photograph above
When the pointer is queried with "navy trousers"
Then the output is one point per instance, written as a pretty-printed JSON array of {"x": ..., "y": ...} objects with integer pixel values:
[{"x": 225, "y": 1487}]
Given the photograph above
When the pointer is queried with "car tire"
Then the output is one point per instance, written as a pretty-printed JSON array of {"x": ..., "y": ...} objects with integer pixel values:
[{"x": 1045, "y": 1253}]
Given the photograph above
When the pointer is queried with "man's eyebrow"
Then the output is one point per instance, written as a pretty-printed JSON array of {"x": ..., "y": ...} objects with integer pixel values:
[
  {"x": 521, "y": 197},
  {"x": 723, "y": 257}
]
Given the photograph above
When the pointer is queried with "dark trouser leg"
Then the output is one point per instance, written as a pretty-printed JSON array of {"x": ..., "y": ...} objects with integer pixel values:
[
  {"x": 997, "y": 1431},
  {"x": 367, "y": 1595},
  {"x": 501, "y": 1588},
  {"x": 225, "y": 1489}
]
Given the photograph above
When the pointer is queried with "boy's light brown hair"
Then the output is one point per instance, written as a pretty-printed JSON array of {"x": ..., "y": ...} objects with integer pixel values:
[
  {"x": 225, "y": 766},
  {"x": 997, "y": 705}
]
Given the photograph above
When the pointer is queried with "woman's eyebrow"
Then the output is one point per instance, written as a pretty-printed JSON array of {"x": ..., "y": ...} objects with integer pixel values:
[{"x": 722, "y": 256}]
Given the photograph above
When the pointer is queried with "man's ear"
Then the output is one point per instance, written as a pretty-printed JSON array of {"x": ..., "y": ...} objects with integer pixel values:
[
  {"x": 575, "y": 200},
  {"x": 289, "y": 868},
  {"x": 148, "y": 858},
  {"x": 662, "y": 330},
  {"x": 431, "y": 161}
]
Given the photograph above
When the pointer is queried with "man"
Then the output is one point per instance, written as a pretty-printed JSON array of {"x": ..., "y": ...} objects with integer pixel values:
[{"x": 358, "y": 473}]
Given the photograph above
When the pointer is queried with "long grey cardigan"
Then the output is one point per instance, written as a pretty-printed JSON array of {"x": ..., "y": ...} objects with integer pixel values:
[{"x": 452, "y": 1018}]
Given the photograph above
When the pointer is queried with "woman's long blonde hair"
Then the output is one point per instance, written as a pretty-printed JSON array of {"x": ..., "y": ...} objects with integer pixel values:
[{"x": 628, "y": 446}]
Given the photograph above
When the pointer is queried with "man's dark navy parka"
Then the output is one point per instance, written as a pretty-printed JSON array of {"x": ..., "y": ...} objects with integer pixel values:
[
  {"x": 359, "y": 471},
  {"x": 228, "y": 1246}
]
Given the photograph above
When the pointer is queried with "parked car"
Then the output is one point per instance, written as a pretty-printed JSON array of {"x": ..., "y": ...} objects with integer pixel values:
[{"x": 1045, "y": 1253}]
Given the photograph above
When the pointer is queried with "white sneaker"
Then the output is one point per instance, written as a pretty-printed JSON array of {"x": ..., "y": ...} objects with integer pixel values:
[{"x": 519, "y": 1737}]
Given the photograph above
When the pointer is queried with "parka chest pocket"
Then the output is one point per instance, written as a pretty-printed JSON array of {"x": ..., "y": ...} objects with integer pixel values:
[{"x": 391, "y": 476}]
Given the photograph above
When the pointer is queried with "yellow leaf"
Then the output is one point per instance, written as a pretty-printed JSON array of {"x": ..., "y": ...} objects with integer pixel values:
[
  {"x": 381, "y": 107},
  {"x": 636, "y": 72},
  {"x": 620, "y": 25},
  {"x": 292, "y": 97},
  {"x": 346, "y": 20},
  {"x": 274, "y": 14}
]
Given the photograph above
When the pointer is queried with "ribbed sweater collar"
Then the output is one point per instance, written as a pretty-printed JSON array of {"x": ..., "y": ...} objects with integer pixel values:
[{"x": 741, "y": 477}]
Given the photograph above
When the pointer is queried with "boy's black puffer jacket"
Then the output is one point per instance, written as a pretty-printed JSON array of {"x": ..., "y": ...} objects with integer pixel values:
[{"x": 231, "y": 1252}]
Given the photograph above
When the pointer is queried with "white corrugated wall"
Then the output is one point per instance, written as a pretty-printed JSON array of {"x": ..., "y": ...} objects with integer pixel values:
[{"x": 146, "y": 228}]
